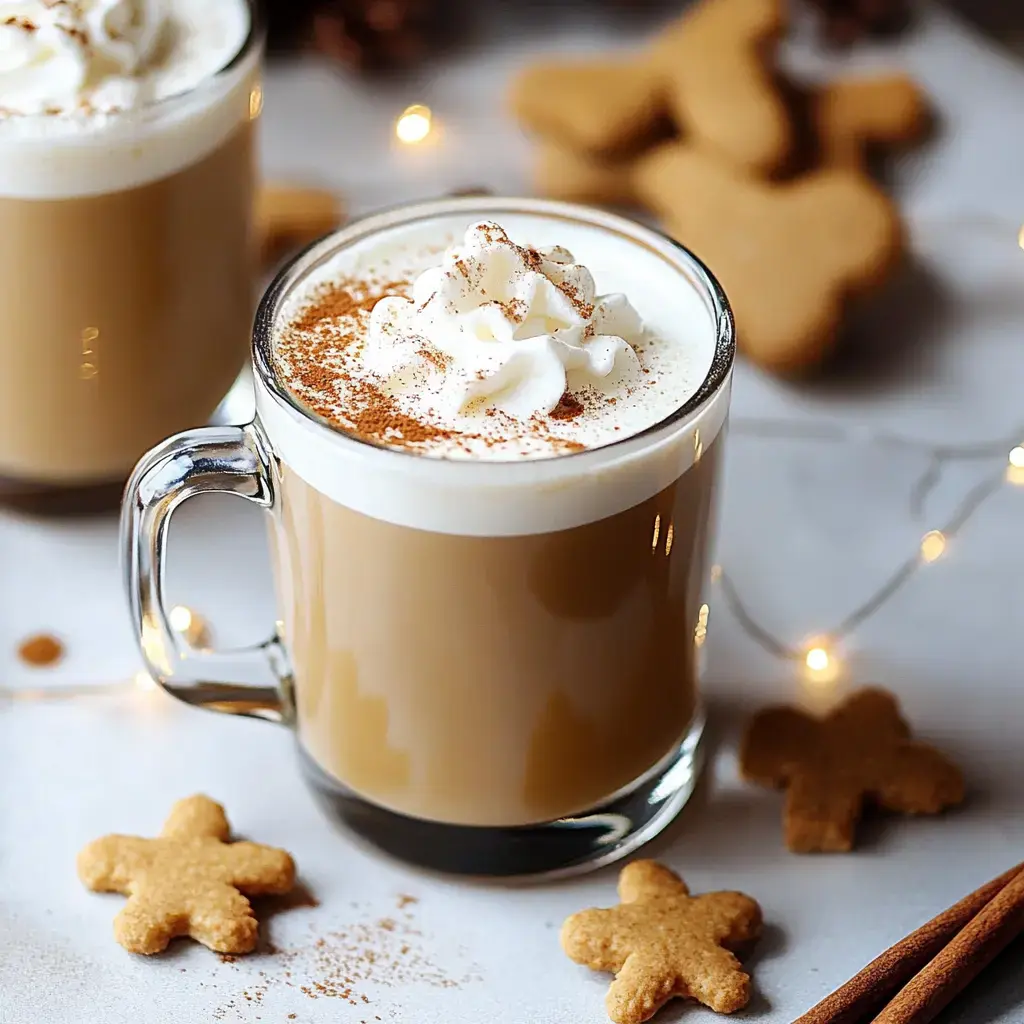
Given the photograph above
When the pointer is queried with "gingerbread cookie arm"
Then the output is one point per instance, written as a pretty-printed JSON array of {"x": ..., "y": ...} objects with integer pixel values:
[
  {"x": 221, "y": 918},
  {"x": 260, "y": 870},
  {"x": 854, "y": 115},
  {"x": 717, "y": 980},
  {"x": 720, "y": 87},
  {"x": 774, "y": 743},
  {"x": 194, "y": 817},
  {"x": 732, "y": 919},
  {"x": 647, "y": 880},
  {"x": 111, "y": 863},
  {"x": 147, "y": 923},
  {"x": 605, "y": 108},
  {"x": 821, "y": 816},
  {"x": 920, "y": 780},
  {"x": 641, "y": 988},
  {"x": 592, "y": 938}
]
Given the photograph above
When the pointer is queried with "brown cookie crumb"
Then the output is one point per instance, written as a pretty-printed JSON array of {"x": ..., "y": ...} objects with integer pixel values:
[
  {"x": 42, "y": 651},
  {"x": 832, "y": 767},
  {"x": 662, "y": 943}
]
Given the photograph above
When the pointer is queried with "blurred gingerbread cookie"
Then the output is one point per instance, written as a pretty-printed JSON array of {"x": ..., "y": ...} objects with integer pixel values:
[
  {"x": 718, "y": 63},
  {"x": 832, "y": 767},
  {"x": 605, "y": 108},
  {"x": 790, "y": 256}
]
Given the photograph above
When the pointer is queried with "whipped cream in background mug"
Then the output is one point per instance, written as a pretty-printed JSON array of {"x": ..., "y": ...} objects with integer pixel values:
[{"x": 65, "y": 57}]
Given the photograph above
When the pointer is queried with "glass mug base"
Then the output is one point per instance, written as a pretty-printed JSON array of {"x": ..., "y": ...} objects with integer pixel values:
[{"x": 552, "y": 849}]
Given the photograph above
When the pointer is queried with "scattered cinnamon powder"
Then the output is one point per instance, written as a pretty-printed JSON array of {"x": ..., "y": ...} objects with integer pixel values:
[
  {"x": 568, "y": 408},
  {"x": 351, "y": 964},
  {"x": 23, "y": 23},
  {"x": 438, "y": 359},
  {"x": 42, "y": 651}
]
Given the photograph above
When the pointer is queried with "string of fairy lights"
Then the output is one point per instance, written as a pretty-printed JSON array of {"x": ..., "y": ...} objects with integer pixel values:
[{"x": 819, "y": 657}]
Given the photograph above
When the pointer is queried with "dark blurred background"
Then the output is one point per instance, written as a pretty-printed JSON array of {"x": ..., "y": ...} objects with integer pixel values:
[{"x": 374, "y": 36}]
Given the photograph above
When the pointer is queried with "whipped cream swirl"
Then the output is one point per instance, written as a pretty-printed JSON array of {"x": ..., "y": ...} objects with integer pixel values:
[
  {"x": 63, "y": 55},
  {"x": 508, "y": 327}
]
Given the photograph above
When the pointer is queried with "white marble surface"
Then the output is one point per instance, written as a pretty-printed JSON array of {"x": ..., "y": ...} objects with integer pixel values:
[{"x": 810, "y": 529}]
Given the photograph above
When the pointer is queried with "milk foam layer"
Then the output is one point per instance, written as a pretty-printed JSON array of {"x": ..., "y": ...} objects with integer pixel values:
[
  {"x": 504, "y": 348},
  {"x": 485, "y": 497},
  {"x": 97, "y": 95}
]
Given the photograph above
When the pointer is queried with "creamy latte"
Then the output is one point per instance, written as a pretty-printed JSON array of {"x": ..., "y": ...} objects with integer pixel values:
[
  {"x": 126, "y": 277},
  {"x": 491, "y": 565}
]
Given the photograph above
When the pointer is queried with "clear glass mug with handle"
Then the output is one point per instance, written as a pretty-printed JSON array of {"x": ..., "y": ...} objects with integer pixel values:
[{"x": 491, "y": 667}]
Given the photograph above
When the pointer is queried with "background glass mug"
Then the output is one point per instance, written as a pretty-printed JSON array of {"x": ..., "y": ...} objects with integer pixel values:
[
  {"x": 468, "y": 695},
  {"x": 127, "y": 281}
]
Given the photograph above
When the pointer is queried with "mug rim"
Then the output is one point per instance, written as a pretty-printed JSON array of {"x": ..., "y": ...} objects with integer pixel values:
[{"x": 299, "y": 266}]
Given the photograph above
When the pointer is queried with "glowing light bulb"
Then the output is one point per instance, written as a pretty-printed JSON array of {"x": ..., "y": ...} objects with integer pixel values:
[
  {"x": 414, "y": 124},
  {"x": 181, "y": 618},
  {"x": 657, "y": 533},
  {"x": 821, "y": 665},
  {"x": 1020, "y": 238},
  {"x": 933, "y": 546},
  {"x": 669, "y": 537},
  {"x": 817, "y": 659},
  {"x": 1017, "y": 457},
  {"x": 255, "y": 102}
]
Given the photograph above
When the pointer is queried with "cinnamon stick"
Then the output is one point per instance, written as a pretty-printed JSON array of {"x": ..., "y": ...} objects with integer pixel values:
[
  {"x": 871, "y": 988},
  {"x": 960, "y": 962}
]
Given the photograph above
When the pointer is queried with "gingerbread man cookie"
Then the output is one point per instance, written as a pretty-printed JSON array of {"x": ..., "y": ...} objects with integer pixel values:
[
  {"x": 720, "y": 82},
  {"x": 831, "y": 767},
  {"x": 790, "y": 256},
  {"x": 190, "y": 881},
  {"x": 663, "y": 943}
]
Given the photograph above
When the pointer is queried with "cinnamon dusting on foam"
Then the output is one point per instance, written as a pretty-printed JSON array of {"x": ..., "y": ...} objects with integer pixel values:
[
  {"x": 488, "y": 349},
  {"x": 315, "y": 353}
]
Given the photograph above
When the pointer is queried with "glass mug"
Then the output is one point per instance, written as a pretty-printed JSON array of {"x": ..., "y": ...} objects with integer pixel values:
[
  {"x": 127, "y": 282},
  {"x": 480, "y": 699}
]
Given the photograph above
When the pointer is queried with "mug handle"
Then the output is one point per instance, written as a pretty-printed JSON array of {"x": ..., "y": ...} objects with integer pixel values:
[{"x": 230, "y": 460}]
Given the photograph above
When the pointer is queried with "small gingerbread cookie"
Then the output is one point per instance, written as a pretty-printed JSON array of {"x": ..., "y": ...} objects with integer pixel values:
[
  {"x": 721, "y": 87},
  {"x": 561, "y": 173},
  {"x": 606, "y": 108},
  {"x": 191, "y": 881},
  {"x": 662, "y": 943},
  {"x": 831, "y": 767},
  {"x": 790, "y": 256}
]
